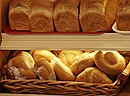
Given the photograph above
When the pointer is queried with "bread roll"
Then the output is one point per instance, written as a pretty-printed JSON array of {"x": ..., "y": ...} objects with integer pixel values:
[
  {"x": 44, "y": 70},
  {"x": 69, "y": 56},
  {"x": 19, "y": 14},
  {"x": 86, "y": 60},
  {"x": 93, "y": 75},
  {"x": 123, "y": 16},
  {"x": 97, "y": 15},
  {"x": 38, "y": 54},
  {"x": 110, "y": 62},
  {"x": 66, "y": 16},
  {"x": 21, "y": 67},
  {"x": 63, "y": 72},
  {"x": 40, "y": 16}
]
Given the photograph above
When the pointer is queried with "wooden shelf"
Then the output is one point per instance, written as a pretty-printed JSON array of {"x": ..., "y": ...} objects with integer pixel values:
[{"x": 107, "y": 41}]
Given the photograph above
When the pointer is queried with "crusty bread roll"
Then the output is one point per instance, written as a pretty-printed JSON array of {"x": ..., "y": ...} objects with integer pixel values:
[
  {"x": 111, "y": 62},
  {"x": 69, "y": 56},
  {"x": 66, "y": 16},
  {"x": 38, "y": 54},
  {"x": 18, "y": 14},
  {"x": 21, "y": 67},
  {"x": 97, "y": 15},
  {"x": 63, "y": 72},
  {"x": 93, "y": 75},
  {"x": 40, "y": 16},
  {"x": 123, "y": 16},
  {"x": 44, "y": 70},
  {"x": 56, "y": 52},
  {"x": 86, "y": 60}
]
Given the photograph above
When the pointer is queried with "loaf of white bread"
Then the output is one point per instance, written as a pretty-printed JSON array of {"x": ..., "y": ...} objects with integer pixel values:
[
  {"x": 97, "y": 15},
  {"x": 66, "y": 16},
  {"x": 19, "y": 14},
  {"x": 123, "y": 16}
]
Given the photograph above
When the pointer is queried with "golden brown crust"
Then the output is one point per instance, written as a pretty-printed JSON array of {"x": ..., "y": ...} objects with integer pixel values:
[
  {"x": 111, "y": 62},
  {"x": 38, "y": 54},
  {"x": 69, "y": 56},
  {"x": 85, "y": 61},
  {"x": 93, "y": 75}
]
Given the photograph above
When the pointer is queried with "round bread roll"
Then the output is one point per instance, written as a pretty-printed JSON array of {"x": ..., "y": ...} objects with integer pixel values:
[
  {"x": 38, "y": 54},
  {"x": 110, "y": 62},
  {"x": 44, "y": 70},
  {"x": 93, "y": 75},
  {"x": 86, "y": 60},
  {"x": 21, "y": 67},
  {"x": 68, "y": 56}
]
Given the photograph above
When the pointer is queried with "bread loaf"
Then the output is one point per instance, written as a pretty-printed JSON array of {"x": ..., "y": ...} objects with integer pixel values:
[
  {"x": 44, "y": 70},
  {"x": 97, "y": 15},
  {"x": 38, "y": 54},
  {"x": 110, "y": 62},
  {"x": 66, "y": 16},
  {"x": 19, "y": 14},
  {"x": 93, "y": 75},
  {"x": 123, "y": 16},
  {"x": 41, "y": 16},
  {"x": 85, "y": 61},
  {"x": 63, "y": 72},
  {"x": 21, "y": 67},
  {"x": 69, "y": 56}
]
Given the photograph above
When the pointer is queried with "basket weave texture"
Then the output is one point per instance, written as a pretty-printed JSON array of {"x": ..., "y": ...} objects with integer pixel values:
[{"x": 65, "y": 87}]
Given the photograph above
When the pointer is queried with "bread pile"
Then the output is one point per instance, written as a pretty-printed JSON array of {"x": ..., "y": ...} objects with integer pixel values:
[
  {"x": 67, "y": 65},
  {"x": 62, "y": 15}
]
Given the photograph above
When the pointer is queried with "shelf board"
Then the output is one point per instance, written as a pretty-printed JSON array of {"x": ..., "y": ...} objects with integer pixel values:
[{"x": 107, "y": 41}]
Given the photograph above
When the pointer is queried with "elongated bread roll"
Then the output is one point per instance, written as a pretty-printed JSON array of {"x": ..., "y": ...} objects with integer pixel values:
[
  {"x": 63, "y": 72},
  {"x": 123, "y": 16},
  {"x": 66, "y": 16},
  {"x": 86, "y": 60},
  {"x": 18, "y": 14},
  {"x": 38, "y": 54},
  {"x": 93, "y": 75},
  {"x": 110, "y": 62},
  {"x": 40, "y": 16},
  {"x": 21, "y": 67},
  {"x": 97, "y": 15},
  {"x": 69, "y": 56},
  {"x": 44, "y": 70}
]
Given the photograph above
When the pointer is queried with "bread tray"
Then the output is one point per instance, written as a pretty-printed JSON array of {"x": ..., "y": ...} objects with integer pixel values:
[
  {"x": 9, "y": 31},
  {"x": 52, "y": 87},
  {"x": 114, "y": 27}
]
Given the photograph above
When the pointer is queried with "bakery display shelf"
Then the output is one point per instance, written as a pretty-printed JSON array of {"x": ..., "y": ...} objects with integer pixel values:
[{"x": 81, "y": 41}]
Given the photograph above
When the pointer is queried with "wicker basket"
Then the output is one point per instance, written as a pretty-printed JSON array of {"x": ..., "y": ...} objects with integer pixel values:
[{"x": 65, "y": 87}]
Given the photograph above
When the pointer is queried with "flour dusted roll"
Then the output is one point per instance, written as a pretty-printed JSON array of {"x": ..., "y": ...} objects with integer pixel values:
[
  {"x": 21, "y": 67},
  {"x": 44, "y": 70},
  {"x": 69, "y": 56},
  {"x": 97, "y": 15},
  {"x": 40, "y": 16},
  {"x": 86, "y": 60},
  {"x": 93, "y": 75},
  {"x": 66, "y": 16},
  {"x": 110, "y": 62},
  {"x": 38, "y": 54},
  {"x": 19, "y": 14},
  {"x": 123, "y": 16}
]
